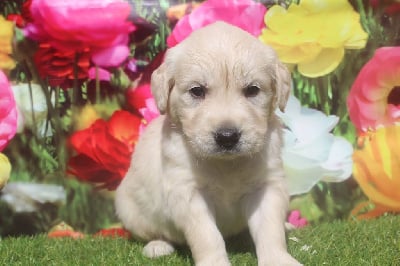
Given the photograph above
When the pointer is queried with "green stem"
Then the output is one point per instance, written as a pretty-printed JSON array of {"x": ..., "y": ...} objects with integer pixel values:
[{"x": 363, "y": 16}]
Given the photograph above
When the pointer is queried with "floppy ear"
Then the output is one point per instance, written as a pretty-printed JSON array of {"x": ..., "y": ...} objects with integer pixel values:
[
  {"x": 283, "y": 84},
  {"x": 161, "y": 86}
]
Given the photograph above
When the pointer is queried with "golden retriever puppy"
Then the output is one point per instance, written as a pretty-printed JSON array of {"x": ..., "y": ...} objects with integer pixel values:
[{"x": 210, "y": 166}]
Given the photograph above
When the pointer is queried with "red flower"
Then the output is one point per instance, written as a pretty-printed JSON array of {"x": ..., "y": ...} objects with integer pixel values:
[
  {"x": 26, "y": 11},
  {"x": 24, "y": 18},
  {"x": 58, "y": 66},
  {"x": 391, "y": 7},
  {"x": 104, "y": 150},
  {"x": 137, "y": 97},
  {"x": 18, "y": 19},
  {"x": 114, "y": 232}
]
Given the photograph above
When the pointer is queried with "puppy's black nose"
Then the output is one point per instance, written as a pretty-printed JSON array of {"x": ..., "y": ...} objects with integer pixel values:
[{"x": 227, "y": 138}]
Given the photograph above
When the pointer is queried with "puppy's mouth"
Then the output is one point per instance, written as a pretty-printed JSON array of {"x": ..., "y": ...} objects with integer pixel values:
[{"x": 227, "y": 153}]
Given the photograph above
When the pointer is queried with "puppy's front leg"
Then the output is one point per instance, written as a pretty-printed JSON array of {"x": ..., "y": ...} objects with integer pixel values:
[
  {"x": 266, "y": 213},
  {"x": 197, "y": 222}
]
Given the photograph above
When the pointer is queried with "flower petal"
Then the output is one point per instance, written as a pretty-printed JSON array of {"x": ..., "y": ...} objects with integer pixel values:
[
  {"x": 8, "y": 112},
  {"x": 245, "y": 14},
  {"x": 339, "y": 165},
  {"x": 111, "y": 56},
  {"x": 301, "y": 178},
  {"x": 124, "y": 126},
  {"x": 327, "y": 60}
]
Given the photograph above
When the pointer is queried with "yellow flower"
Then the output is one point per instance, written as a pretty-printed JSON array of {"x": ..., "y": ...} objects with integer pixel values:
[
  {"x": 5, "y": 170},
  {"x": 314, "y": 34},
  {"x": 89, "y": 113},
  {"x": 377, "y": 170},
  {"x": 85, "y": 117},
  {"x": 6, "y": 37}
]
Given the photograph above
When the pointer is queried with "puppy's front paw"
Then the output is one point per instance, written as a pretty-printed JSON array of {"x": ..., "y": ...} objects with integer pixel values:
[{"x": 157, "y": 248}]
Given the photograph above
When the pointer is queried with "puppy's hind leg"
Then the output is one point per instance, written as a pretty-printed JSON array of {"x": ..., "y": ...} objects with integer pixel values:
[
  {"x": 157, "y": 248},
  {"x": 132, "y": 215}
]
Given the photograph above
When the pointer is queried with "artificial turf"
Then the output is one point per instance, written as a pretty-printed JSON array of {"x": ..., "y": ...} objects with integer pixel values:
[{"x": 374, "y": 242}]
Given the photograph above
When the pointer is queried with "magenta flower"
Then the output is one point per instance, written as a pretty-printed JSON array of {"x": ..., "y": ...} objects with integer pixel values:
[
  {"x": 8, "y": 112},
  {"x": 100, "y": 25},
  {"x": 99, "y": 73},
  {"x": 150, "y": 111},
  {"x": 245, "y": 14},
  {"x": 296, "y": 220},
  {"x": 374, "y": 98}
]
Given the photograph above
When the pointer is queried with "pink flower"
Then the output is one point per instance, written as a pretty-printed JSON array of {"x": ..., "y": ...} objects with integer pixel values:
[
  {"x": 296, "y": 219},
  {"x": 141, "y": 99},
  {"x": 374, "y": 98},
  {"x": 8, "y": 112},
  {"x": 101, "y": 26},
  {"x": 245, "y": 14}
]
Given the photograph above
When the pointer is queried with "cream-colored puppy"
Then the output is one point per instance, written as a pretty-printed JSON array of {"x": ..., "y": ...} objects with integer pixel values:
[{"x": 211, "y": 166}]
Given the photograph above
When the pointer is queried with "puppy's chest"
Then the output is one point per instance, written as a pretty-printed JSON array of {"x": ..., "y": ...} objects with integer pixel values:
[
  {"x": 226, "y": 193},
  {"x": 226, "y": 203},
  {"x": 228, "y": 188}
]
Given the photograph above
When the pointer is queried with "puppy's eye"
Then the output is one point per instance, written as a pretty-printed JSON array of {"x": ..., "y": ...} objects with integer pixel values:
[
  {"x": 198, "y": 92},
  {"x": 251, "y": 91}
]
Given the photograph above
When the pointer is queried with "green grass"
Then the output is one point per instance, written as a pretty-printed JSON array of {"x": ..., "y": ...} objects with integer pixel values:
[{"x": 374, "y": 242}]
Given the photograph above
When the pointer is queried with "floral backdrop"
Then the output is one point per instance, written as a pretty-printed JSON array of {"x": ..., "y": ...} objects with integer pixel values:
[{"x": 75, "y": 97}]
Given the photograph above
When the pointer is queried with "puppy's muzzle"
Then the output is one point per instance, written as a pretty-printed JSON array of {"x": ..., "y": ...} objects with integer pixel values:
[{"x": 227, "y": 138}]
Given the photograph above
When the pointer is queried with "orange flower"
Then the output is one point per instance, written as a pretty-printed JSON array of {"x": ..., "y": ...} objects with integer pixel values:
[
  {"x": 63, "y": 230},
  {"x": 6, "y": 37},
  {"x": 377, "y": 170}
]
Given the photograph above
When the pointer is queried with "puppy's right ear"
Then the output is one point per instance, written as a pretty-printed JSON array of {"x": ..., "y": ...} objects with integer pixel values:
[{"x": 161, "y": 86}]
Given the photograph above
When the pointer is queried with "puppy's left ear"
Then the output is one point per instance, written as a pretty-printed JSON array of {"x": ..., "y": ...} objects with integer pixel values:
[{"x": 283, "y": 84}]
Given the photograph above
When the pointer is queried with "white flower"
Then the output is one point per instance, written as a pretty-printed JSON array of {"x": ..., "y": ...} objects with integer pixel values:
[
  {"x": 311, "y": 153},
  {"x": 32, "y": 112},
  {"x": 29, "y": 197}
]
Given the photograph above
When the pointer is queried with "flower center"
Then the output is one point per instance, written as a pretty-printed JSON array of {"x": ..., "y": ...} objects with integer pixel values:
[{"x": 394, "y": 96}]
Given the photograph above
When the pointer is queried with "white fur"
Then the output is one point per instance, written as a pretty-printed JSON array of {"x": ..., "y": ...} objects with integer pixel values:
[{"x": 181, "y": 186}]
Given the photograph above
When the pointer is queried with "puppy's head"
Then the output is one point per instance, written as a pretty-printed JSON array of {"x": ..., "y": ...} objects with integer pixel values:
[{"x": 220, "y": 86}]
